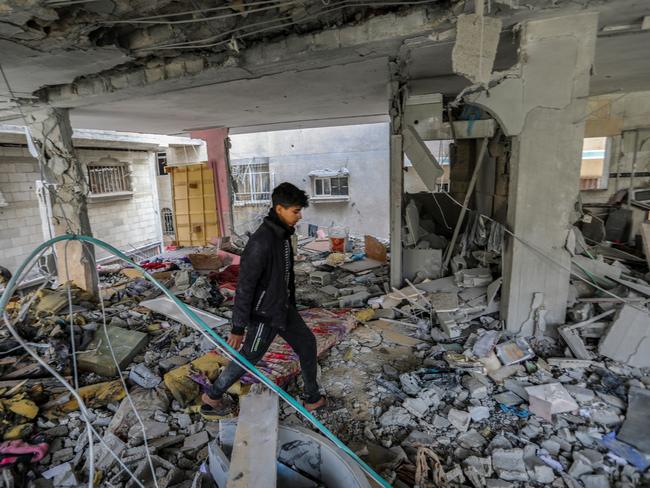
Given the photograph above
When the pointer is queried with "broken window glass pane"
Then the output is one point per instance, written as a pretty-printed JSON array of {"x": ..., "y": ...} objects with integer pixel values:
[{"x": 319, "y": 187}]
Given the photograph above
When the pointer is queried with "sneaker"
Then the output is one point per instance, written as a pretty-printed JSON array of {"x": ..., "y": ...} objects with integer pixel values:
[{"x": 217, "y": 409}]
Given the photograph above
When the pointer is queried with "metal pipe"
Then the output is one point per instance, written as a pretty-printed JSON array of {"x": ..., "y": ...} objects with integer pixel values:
[{"x": 463, "y": 210}]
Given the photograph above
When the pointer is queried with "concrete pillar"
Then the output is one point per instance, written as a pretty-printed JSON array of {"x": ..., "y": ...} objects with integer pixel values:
[
  {"x": 68, "y": 190},
  {"x": 543, "y": 108},
  {"x": 396, "y": 171},
  {"x": 396, "y": 202}
]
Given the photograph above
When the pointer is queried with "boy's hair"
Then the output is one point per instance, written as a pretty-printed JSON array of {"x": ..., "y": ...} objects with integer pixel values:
[{"x": 288, "y": 195}]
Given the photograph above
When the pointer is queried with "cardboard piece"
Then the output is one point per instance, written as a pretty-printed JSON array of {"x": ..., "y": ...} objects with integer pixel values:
[{"x": 375, "y": 249}]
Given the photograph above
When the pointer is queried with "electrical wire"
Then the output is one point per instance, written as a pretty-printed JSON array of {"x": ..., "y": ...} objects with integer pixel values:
[
  {"x": 211, "y": 335},
  {"x": 9, "y": 290},
  {"x": 542, "y": 254},
  {"x": 82, "y": 406},
  {"x": 347, "y": 3},
  {"x": 202, "y": 19},
  {"x": 124, "y": 385}
]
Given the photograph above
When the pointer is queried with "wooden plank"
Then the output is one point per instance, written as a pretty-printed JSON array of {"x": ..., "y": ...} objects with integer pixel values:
[{"x": 254, "y": 455}]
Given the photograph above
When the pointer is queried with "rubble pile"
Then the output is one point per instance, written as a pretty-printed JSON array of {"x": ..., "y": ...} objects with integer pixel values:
[
  {"x": 481, "y": 407},
  {"x": 431, "y": 389}
]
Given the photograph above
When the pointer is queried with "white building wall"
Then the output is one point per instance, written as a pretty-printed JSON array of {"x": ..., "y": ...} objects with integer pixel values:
[
  {"x": 363, "y": 149},
  {"x": 132, "y": 222},
  {"x": 20, "y": 222},
  {"x": 128, "y": 223}
]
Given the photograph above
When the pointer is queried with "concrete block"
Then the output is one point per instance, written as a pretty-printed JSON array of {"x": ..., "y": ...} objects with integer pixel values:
[
  {"x": 582, "y": 395},
  {"x": 549, "y": 399},
  {"x": 459, "y": 419},
  {"x": 544, "y": 474},
  {"x": 355, "y": 300},
  {"x": 628, "y": 338},
  {"x": 595, "y": 481},
  {"x": 126, "y": 344},
  {"x": 196, "y": 441},
  {"x": 476, "y": 46},
  {"x": 476, "y": 388},
  {"x": 479, "y": 413},
  {"x": 331, "y": 291},
  {"x": 509, "y": 464},
  {"x": 320, "y": 278}
]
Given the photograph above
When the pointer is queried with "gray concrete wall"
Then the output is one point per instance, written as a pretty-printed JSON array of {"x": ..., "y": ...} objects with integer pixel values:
[{"x": 363, "y": 149}]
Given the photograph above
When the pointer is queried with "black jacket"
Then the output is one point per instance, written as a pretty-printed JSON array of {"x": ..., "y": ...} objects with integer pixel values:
[{"x": 266, "y": 286}]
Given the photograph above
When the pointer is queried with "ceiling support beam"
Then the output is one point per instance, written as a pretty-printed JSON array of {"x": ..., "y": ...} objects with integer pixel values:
[{"x": 68, "y": 190}]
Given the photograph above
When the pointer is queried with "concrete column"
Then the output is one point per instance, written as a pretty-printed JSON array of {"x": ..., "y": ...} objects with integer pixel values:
[
  {"x": 396, "y": 199},
  {"x": 68, "y": 190},
  {"x": 543, "y": 108}
]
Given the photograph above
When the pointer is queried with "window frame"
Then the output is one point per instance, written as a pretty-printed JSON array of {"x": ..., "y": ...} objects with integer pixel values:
[
  {"x": 327, "y": 188},
  {"x": 253, "y": 179},
  {"x": 118, "y": 183}
]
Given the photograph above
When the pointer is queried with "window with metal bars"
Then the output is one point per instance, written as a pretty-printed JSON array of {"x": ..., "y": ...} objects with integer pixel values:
[
  {"x": 161, "y": 159},
  {"x": 253, "y": 183},
  {"x": 167, "y": 221},
  {"x": 108, "y": 179}
]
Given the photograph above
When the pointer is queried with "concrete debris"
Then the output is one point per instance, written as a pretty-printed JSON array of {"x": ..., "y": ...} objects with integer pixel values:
[
  {"x": 477, "y": 37},
  {"x": 143, "y": 376},
  {"x": 429, "y": 364},
  {"x": 459, "y": 419},
  {"x": 509, "y": 464},
  {"x": 628, "y": 338},
  {"x": 549, "y": 399},
  {"x": 636, "y": 428}
]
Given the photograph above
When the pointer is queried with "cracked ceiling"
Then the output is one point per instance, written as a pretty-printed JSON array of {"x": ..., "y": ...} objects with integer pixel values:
[{"x": 171, "y": 65}]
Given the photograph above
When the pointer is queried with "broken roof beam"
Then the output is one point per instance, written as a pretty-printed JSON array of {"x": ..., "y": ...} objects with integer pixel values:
[
  {"x": 254, "y": 455},
  {"x": 423, "y": 161},
  {"x": 374, "y": 38}
]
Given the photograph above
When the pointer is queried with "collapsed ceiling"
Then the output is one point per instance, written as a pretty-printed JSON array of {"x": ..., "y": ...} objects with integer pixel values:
[{"x": 172, "y": 65}]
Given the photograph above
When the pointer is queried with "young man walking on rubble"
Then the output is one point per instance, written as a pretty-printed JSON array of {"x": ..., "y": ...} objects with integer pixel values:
[{"x": 265, "y": 304}]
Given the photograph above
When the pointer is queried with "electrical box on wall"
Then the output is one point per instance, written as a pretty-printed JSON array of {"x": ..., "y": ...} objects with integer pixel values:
[{"x": 423, "y": 112}]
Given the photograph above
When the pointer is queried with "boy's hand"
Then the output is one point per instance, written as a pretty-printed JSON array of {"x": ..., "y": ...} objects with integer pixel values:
[{"x": 235, "y": 340}]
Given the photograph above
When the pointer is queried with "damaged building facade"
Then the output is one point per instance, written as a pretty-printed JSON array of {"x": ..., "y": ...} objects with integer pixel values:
[{"x": 485, "y": 323}]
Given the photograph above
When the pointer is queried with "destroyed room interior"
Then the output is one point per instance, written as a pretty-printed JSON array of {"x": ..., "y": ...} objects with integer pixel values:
[{"x": 468, "y": 261}]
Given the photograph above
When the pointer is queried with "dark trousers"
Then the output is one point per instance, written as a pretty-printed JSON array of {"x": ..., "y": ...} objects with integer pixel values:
[{"x": 259, "y": 337}]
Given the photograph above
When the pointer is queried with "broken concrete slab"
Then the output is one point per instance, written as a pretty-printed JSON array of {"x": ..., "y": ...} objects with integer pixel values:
[
  {"x": 426, "y": 262},
  {"x": 474, "y": 52},
  {"x": 636, "y": 428},
  {"x": 424, "y": 163},
  {"x": 574, "y": 342},
  {"x": 509, "y": 464},
  {"x": 473, "y": 277},
  {"x": 144, "y": 377},
  {"x": 98, "y": 358},
  {"x": 196, "y": 441},
  {"x": 165, "y": 306},
  {"x": 549, "y": 399},
  {"x": 459, "y": 419},
  {"x": 628, "y": 338}
]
